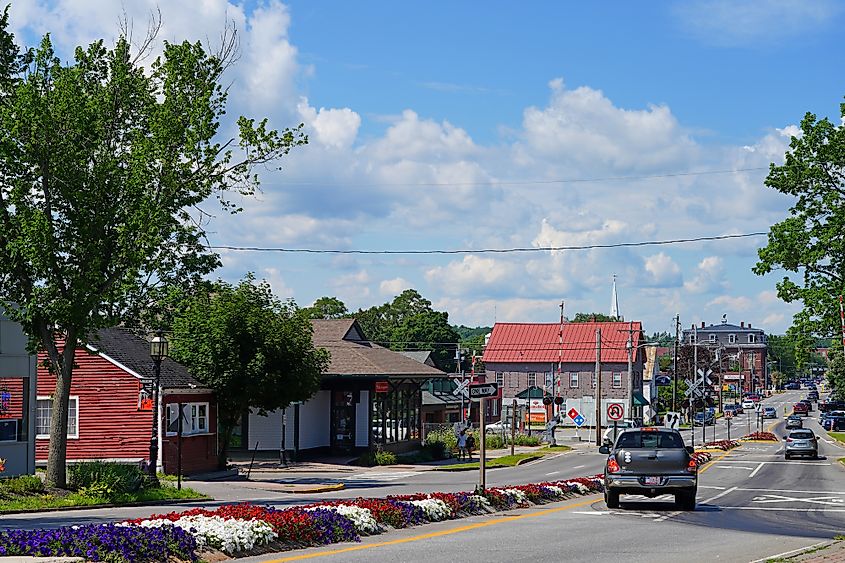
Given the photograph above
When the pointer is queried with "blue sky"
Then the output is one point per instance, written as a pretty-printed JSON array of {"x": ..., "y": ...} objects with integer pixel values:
[{"x": 447, "y": 125}]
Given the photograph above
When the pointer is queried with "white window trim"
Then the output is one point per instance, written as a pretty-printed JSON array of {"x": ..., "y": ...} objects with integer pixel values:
[
  {"x": 732, "y": 339},
  {"x": 752, "y": 339},
  {"x": 500, "y": 378},
  {"x": 613, "y": 379},
  {"x": 190, "y": 421},
  {"x": 712, "y": 338},
  {"x": 74, "y": 436},
  {"x": 573, "y": 380}
]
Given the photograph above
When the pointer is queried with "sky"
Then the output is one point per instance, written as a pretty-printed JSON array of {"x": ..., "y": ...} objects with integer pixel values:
[{"x": 497, "y": 125}]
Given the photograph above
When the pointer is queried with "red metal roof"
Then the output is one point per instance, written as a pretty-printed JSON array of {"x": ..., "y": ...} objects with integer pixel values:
[{"x": 539, "y": 342}]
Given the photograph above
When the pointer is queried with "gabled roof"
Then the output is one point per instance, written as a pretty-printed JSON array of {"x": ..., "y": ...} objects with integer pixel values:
[
  {"x": 132, "y": 353},
  {"x": 352, "y": 355},
  {"x": 421, "y": 356},
  {"x": 539, "y": 342}
]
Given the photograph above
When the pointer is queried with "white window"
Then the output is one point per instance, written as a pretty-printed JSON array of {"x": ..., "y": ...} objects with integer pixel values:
[
  {"x": 532, "y": 379},
  {"x": 44, "y": 413},
  {"x": 732, "y": 339},
  {"x": 617, "y": 380},
  {"x": 752, "y": 338},
  {"x": 712, "y": 338},
  {"x": 194, "y": 418},
  {"x": 500, "y": 378},
  {"x": 692, "y": 338},
  {"x": 573, "y": 380}
]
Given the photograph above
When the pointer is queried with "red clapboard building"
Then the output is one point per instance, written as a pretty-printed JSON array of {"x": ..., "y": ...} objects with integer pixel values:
[{"x": 111, "y": 413}]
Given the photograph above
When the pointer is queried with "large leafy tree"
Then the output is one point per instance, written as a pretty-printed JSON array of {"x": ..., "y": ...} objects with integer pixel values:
[
  {"x": 810, "y": 243},
  {"x": 836, "y": 371},
  {"x": 326, "y": 308},
  {"x": 104, "y": 165},
  {"x": 253, "y": 350},
  {"x": 593, "y": 318}
]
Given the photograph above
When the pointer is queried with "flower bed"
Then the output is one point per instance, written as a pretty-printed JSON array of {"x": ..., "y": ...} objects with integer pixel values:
[
  {"x": 245, "y": 529},
  {"x": 723, "y": 445},
  {"x": 701, "y": 458},
  {"x": 761, "y": 436}
]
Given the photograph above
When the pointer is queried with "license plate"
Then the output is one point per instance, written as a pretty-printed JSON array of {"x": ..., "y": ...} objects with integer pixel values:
[{"x": 652, "y": 480}]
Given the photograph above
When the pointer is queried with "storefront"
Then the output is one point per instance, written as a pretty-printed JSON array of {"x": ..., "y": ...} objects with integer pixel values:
[{"x": 17, "y": 401}]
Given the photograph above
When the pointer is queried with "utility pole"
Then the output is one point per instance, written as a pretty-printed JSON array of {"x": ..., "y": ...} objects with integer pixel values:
[
  {"x": 459, "y": 371},
  {"x": 598, "y": 387},
  {"x": 842, "y": 321},
  {"x": 630, "y": 347},
  {"x": 559, "y": 360},
  {"x": 675, "y": 365},
  {"x": 694, "y": 383}
]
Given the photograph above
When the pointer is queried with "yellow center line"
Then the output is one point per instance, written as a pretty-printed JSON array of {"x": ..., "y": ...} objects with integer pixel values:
[
  {"x": 432, "y": 534},
  {"x": 710, "y": 463}
]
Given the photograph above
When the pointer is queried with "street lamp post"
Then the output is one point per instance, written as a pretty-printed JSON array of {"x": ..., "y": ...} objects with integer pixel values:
[{"x": 158, "y": 351}]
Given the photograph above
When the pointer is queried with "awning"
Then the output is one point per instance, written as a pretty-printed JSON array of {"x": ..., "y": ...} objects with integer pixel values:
[
  {"x": 639, "y": 400},
  {"x": 532, "y": 392}
]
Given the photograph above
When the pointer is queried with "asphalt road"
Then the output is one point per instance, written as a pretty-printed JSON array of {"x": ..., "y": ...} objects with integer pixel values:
[{"x": 752, "y": 504}]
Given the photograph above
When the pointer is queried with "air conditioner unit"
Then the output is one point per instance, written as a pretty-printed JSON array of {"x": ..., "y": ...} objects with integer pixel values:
[{"x": 9, "y": 430}]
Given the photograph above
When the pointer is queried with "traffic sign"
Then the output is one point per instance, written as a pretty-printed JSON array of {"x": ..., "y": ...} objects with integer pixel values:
[
  {"x": 615, "y": 411},
  {"x": 573, "y": 412},
  {"x": 672, "y": 420},
  {"x": 483, "y": 390},
  {"x": 461, "y": 389},
  {"x": 729, "y": 414},
  {"x": 578, "y": 420}
]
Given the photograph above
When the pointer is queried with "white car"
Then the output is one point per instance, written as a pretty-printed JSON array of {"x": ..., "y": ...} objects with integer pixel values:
[
  {"x": 498, "y": 427},
  {"x": 607, "y": 437},
  {"x": 748, "y": 404}
]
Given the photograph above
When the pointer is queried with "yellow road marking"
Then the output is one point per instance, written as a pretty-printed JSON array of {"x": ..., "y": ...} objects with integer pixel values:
[
  {"x": 707, "y": 465},
  {"x": 431, "y": 534}
]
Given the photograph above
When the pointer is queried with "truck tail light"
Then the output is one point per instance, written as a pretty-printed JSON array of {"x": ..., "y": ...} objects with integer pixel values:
[
  {"x": 692, "y": 466},
  {"x": 612, "y": 465}
]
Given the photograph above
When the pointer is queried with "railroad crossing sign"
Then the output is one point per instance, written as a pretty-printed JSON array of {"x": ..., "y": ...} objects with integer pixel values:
[
  {"x": 461, "y": 389},
  {"x": 483, "y": 390},
  {"x": 672, "y": 420},
  {"x": 615, "y": 411}
]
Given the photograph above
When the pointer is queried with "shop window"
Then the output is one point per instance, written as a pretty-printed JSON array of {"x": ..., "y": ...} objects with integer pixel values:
[{"x": 194, "y": 418}]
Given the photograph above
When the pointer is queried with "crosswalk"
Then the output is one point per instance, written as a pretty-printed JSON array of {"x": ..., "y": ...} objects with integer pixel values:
[{"x": 381, "y": 476}]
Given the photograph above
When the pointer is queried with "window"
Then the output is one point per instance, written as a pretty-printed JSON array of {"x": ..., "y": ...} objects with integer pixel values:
[
  {"x": 692, "y": 338},
  {"x": 752, "y": 338},
  {"x": 732, "y": 339},
  {"x": 44, "y": 413},
  {"x": 573, "y": 380},
  {"x": 194, "y": 418},
  {"x": 594, "y": 381},
  {"x": 500, "y": 378},
  {"x": 712, "y": 338},
  {"x": 617, "y": 380},
  {"x": 532, "y": 379}
]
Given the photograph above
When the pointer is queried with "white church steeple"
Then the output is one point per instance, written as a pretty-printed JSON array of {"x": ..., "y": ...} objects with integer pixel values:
[{"x": 614, "y": 302}]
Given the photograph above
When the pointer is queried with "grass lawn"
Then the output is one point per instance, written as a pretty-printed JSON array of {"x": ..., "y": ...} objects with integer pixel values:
[
  {"x": 55, "y": 499},
  {"x": 838, "y": 436},
  {"x": 552, "y": 449},
  {"x": 504, "y": 461}
]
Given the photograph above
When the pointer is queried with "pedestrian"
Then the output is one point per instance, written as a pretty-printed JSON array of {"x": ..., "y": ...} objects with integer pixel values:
[
  {"x": 470, "y": 445},
  {"x": 462, "y": 444}
]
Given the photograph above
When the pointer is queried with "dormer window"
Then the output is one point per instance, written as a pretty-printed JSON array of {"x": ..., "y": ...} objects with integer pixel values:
[
  {"x": 692, "y": 338},
  {"x": 712, "y": 338},
  {"x": 732, "y": 339},
  {"x": 752, "y": 338}
]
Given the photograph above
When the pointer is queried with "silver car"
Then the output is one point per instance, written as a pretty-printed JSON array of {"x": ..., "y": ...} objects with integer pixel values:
[
  {"x": 801, "y": 442},
  {"x": 650, "y": 462}
]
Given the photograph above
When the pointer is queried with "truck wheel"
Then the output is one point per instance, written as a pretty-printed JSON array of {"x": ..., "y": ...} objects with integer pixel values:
[
  {"x": 611, "y": 499},
  {"x": 685, "y": 500}
]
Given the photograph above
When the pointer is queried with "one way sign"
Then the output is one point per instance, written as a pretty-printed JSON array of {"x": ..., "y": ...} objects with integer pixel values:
[{"x": 483, "y": 390}]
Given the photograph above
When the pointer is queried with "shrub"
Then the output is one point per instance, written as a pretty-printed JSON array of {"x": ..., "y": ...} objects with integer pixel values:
[
  {"x": 23, "y": 485},
  {"x": 494, "y": 441},
  {"x": 104, "y": 479},
  {"x": 445, "y": 437},
  {"x": 378, "y": 457},
  {"x": 526, "y": 440}
]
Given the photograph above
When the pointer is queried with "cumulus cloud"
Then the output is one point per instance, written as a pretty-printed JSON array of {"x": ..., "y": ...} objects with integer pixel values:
[
  {"x": 394, "y": 287},
  {"x": 333, "y": 127},
  {"x": 708, "y": 276},
  {"x": 471, "y": 275},
  {"x": 731, "y": 303},
  {"x": 662, "y": 271}
]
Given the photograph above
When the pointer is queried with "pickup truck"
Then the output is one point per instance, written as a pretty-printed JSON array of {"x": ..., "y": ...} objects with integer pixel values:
[{"x": 651, "y": 462}]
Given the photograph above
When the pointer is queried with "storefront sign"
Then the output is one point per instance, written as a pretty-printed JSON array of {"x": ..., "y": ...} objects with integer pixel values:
[{"x": 382, "y": 387}]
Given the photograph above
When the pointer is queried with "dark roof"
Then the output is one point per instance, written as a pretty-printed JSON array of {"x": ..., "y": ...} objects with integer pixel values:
[
  {"x": 724, "y": 327},
  {"x": 133, "y": 352},
  {"x": 352, "y": 355}
]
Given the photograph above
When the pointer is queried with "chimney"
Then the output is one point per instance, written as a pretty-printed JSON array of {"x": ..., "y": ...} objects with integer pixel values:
[
  {"x": 741, "y": 324},
  {"x": 749, "y": 325},
  {"x": 702, "y": 324}
]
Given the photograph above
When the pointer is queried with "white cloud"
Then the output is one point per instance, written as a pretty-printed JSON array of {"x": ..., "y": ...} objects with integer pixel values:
[
  {"x": 708, "y": 276},
  {"x": 394, "y": 287},
  {"x": 336, "y": 128},
  {"x": 277, "y": 283},
  {"x": 755, "y": 22},
  {"x": 662, "y": 271},
  {"x": 731, "y": 303},
  {"x": 774, "y": 319},
  {"x": 471, "y": 275}
]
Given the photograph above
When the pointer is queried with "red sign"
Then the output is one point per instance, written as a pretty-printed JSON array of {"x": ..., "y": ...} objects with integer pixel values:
[
  {"x": 615, "y": 411},
  {"x": 572, "y": 413},
  {"x": 382, "y": 387}
]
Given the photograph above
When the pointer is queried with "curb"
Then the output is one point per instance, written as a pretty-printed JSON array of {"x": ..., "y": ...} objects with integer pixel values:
[
  {"x": 292, "y": 488},
  {"x": 110, "y": 505}
]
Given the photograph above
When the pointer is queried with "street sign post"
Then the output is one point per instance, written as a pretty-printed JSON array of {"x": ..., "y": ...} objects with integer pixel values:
[
  {"x": 479, "y": 391},
  {"x": 672, "y": 420}
]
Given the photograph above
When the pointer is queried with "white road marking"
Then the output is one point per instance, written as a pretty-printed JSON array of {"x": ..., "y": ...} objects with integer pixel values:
[
  {"x": 779, "y": 462},
  {"x": 720, "y": 495},
  {"x": 784, "y": 509},
  {"x": 592, "y": 512},
  {"x": 712, "y": 487},
  {"x": 795, "y": 491},
  {"x": 793, "y": 552},
  {"x": 579, "y": 466},
  {"x": 553, "y": 473},
  {"x": 757, "y": 470},
  {"x": 391, "y": 476},
  {"x": 734, "y": 467},
  {"x": 825, "y": 500}
]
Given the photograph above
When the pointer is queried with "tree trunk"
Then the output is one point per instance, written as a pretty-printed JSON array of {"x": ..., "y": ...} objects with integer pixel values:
[
  {"x": 225, "y": 438},
  {"x": 62, "y": 366}
]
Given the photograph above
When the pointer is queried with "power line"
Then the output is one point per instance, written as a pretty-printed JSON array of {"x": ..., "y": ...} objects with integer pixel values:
[
  {"x": 488, "y": 250},
  {"x": 533, "y": 182}
]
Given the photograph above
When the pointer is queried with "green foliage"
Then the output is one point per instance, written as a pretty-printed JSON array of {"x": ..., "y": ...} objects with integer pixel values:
[
  {"x": 22, "y": 485},
  {"x": 101, "y": 479},
  {"x": 253, "y": 350},
  {"x": 105, "y": 160},
  {"x": 836, "y": 370},
  {"x": 592, "y": 317},
  {"x": 443, "y": 438},
  {"x": 809, "y": 241},
  {"x": 326, "y": 308},
  {"x": 782, "y": 353},
  {"x": 377, "y": 457}
]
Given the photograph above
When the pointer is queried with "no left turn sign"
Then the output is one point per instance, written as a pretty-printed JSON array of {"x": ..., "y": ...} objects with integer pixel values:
[{"x": 615, "y": 411}]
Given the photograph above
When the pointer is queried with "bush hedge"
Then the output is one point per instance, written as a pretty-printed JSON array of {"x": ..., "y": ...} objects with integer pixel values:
[{"x": 105, "y": 479}]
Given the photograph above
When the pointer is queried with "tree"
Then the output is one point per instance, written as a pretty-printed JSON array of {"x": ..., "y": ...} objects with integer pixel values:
[
  {"x": 809, "y": 242},
  {"x": 326, "y": 308},
  {"x": 252, "y": 350},
  {"x": 593, "y": 318},
  {"x": 105, "y": 164},
  {"x": 836, "y": 371}
]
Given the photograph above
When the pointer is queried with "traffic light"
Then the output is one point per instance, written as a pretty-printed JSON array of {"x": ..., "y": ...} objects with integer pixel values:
[
  {"x": 558, "y": 400},
  {"x": 547, "y": 400}
]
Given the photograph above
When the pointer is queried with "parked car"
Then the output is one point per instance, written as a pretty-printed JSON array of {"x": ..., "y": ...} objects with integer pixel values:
[
  {"x": 834, "y": 423},
  {"x": 650, "y": 462},
  {"x": 801, "y": 408},
  {"x": 498, "y": 427},
  {"x": 831, "y": 405},
  {"x": 705, "y": 418},
  {"x": 792, "y": 386},
  {"x": 813, "y": 395},
  {"x": 747, "y": 404},
  {"x": 794, "y": 421},
  {"x": 663, "y": 380},
  {"x": 770, "y": 412},
  {"x": 801, "y": 442}
]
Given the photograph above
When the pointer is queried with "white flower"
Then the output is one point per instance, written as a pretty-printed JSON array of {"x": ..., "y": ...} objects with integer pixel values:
[
  {"x": 362, "y": 518},
  {"x": 481, "y": 500},
  {"x": 231, "y": 535},
  {"x": 556, "y": 490},
  {"x": 434, "y": 509},
  {"x": 578, "y": 487},
  {"x": 515, "y": 495}
]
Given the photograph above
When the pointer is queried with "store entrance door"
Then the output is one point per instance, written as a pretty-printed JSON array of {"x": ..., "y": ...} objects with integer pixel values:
[{"x": 343, "y": 421}]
